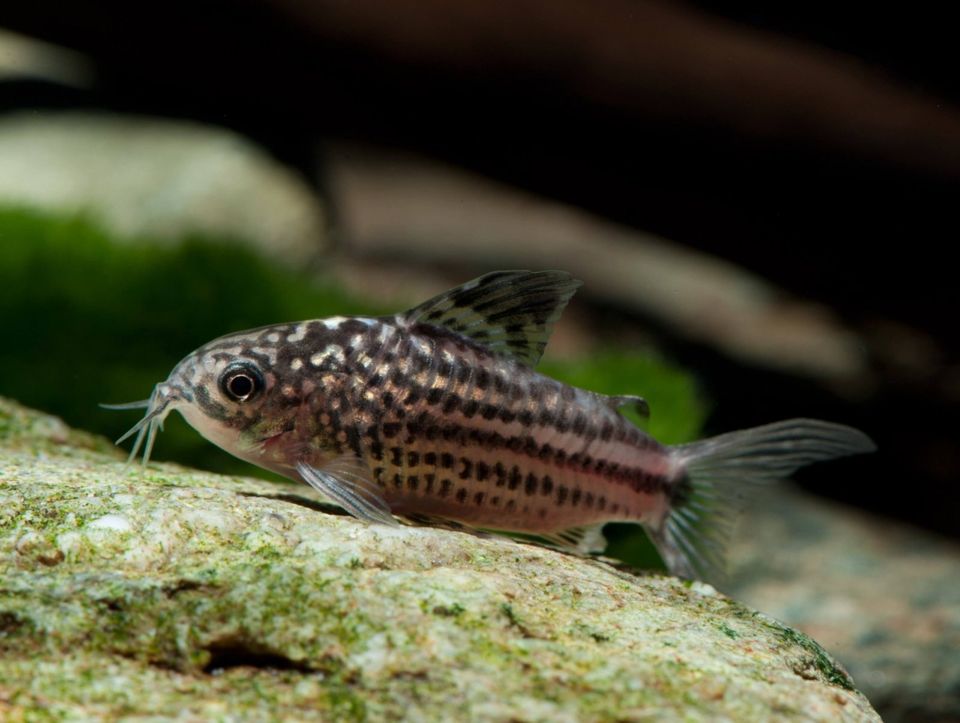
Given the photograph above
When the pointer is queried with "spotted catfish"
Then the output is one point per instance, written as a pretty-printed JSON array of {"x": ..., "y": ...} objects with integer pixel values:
[{"x": 438, "y": 413}]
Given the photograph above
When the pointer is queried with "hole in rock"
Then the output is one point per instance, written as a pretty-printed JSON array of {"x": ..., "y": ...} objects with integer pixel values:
[{"x": 238, "y": 655}]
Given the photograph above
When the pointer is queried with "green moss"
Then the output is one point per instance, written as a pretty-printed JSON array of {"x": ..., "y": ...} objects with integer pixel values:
[
  {"x": 89, "y": 318},
  {"x": 581, "y": 628},
  {"x": 728, "y": 631},
  {"x": 344, "y": 703},
  {"x": 507, "y": 610},
  {"x": 452, "y": 611},
  {"x": 827, "y": 666}
]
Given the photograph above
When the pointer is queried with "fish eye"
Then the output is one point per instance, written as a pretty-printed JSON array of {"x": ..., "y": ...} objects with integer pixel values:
[{"x": 241, "y": 382}]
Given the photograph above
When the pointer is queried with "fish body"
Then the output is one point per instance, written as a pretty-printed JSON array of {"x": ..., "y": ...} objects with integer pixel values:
[{"x": 439, "y": 413}]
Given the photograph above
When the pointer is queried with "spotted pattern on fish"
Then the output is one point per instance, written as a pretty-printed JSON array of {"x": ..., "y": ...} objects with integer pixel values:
[
  {"x": 438, "y": 413},
  {"x": 439, "y": 416}
]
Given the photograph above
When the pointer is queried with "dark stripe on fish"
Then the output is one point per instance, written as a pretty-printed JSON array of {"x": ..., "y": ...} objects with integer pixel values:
[{"x": 434, "y": 428}]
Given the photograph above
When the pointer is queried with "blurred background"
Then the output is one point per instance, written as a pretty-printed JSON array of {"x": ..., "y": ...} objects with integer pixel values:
[{"x": 760, "y": 199}]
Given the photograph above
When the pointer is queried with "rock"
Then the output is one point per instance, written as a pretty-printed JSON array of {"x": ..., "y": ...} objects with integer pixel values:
[
  {"x": 167, "y": 592},
  {"x": 883, "y": 596},
  {"x": 23, "y": 57},
  {"x": 159, "y": 178}
]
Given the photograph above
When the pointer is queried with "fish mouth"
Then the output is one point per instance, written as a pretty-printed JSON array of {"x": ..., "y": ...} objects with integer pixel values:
[{"x": 158, "y": 406}]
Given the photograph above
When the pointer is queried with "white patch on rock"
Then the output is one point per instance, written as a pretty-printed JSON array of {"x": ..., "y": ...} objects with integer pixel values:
[
  {"x": 111, "y": 522},
  {"x": 203, "y": 518},
  {"x": 703, "y": 588},
  {"x": 376, "y": 656},
  {"x": 69, "y": 543},
  {"x": 27, "y": 540}
]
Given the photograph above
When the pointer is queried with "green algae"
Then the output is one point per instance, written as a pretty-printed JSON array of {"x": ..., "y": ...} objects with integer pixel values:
[
  {"x": 828, "y": 667},
  {"x": 180, "y": 593},
  {"x": 728, "y": 631}
]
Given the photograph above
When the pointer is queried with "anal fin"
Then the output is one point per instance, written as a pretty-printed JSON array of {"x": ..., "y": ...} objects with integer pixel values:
[{"x": 581, "y": 540}]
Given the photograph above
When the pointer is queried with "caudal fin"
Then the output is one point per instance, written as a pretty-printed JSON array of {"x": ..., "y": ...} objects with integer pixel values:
[{"x": 720, "y": 473}]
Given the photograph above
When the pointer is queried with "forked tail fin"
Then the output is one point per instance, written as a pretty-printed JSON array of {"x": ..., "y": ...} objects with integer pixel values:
[{"x": 720, "y": 473}]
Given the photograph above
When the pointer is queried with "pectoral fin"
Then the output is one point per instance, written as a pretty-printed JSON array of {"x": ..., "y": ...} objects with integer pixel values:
[{"x": 347, "y": 481}]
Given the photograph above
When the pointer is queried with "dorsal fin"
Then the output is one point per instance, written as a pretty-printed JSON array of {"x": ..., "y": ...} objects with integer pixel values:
[
  {"x": 639, "y": 404},
  {"x": 510, "y": 312}
]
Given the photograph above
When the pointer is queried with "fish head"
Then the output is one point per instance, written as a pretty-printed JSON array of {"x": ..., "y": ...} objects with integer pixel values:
[{"x": 232, "y": 392}]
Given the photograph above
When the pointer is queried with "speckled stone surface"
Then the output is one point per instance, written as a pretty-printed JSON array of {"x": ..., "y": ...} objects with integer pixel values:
[
  {"x": 171, "y": 594},
  {"x": 882, "y": 596}
]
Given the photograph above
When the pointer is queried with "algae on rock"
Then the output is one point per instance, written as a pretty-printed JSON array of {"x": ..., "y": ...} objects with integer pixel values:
[{"x": 168, "y": 592}]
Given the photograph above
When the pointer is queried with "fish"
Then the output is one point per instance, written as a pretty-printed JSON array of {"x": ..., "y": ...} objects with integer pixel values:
[{"x": 437, "y": 414}]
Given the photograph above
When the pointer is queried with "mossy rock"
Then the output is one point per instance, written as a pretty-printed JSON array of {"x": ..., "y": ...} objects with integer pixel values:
[{"x": 165, "y": 592}]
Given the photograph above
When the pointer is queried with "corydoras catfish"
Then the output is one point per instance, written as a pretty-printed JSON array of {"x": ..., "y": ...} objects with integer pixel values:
[{"x": 437, "y": 413}]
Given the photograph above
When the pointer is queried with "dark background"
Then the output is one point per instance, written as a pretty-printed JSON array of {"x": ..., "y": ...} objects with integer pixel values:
[{"x": 817, "y": 144}]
